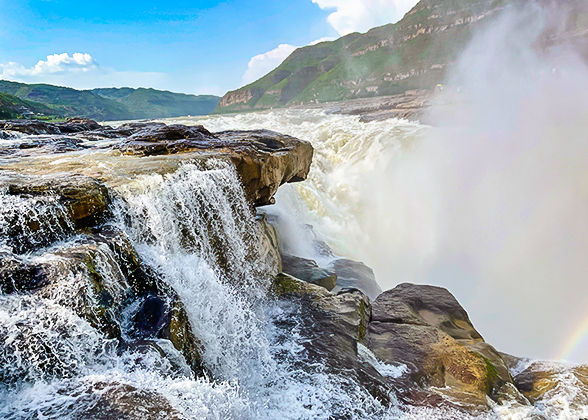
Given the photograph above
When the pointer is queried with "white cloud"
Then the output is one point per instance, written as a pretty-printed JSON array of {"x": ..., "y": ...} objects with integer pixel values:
[
  {"x": 262, "y": 64},
  {"x": 361, "y": 15},
  {"x": 55, "y": 64},
  {"x": 79, "y": 71}
]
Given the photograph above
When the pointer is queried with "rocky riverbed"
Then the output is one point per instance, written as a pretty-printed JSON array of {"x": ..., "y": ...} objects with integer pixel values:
[{"x": 146, "y": 248}]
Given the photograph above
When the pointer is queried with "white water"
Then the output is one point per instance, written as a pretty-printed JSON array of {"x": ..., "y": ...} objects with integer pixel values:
[{"x": 176, "y": 222}]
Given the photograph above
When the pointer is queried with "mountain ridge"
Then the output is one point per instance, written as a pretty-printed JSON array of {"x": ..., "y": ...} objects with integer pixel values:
[{"x": 107, "y": 104}]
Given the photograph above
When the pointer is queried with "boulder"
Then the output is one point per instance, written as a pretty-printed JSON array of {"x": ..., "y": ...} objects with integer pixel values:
[
  {"x": 355, "y": 275},
  {"x": 78, "y": 124},
  {"x": 51, "y": 144},
  {"x": 309, "y": 271},
  {"x": 159, "y": 139},
  {"x": 18, "y": 275},
  {"x": 425, "y": 328},
  {"x": 105, "y": 401},
  {"x": 101, "y": 279}
]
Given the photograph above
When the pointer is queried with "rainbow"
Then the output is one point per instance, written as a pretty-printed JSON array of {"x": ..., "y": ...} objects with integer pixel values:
[{"x": 574, "y": 341}]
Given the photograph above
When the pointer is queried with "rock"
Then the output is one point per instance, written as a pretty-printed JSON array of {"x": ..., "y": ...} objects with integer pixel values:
[
  {"x": 355, "y": 275},
  {"x": 269, "y": 247},
  {"x": 51, "y": 144},
  {"x": 40, "y": 210},
  {"x": 264, "y": 159},
  {"x": 78, "y": 124},
  {"x": 102, "y": 281},
  {"x": 425, "y": 328},
  {"x": 330, "y": 327},
  {"x": 30, "y": 127},
  {"x": 160, "y": 139},
  {"x": 309, "y": 271},
  {"x": 86, "y": 198},
  {"x": 544, "y": 380},
  {"x": 17, "y": 275},
  {"x": 106, "y": 401}
]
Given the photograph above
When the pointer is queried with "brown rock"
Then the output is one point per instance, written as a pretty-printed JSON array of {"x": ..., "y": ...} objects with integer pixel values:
[{"x": 426, "y": 328}]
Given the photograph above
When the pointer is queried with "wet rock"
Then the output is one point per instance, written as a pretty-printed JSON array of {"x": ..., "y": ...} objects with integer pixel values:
[
  {"x": 108, "y": 401},
  {"x": 78, "y": 124},
  {"x": 52, "y": 144},
  {"x": 100, "y": 279},
  {"x": 544, "y": 380},
  {"x": 425, "y": 328},
  {"x": 40, "y": 210},
  {"x": 159, "y": 139},
  {"x": 264, "y": 159},
  {"x": 332, "y": 325},
  {"x": 355, "y": 275},
  {"x": 269, "y": 246},
  {"x": 309, "y": 271},
  {"x": 30, "y": 127},
  {"x": 18, "y": 275}
]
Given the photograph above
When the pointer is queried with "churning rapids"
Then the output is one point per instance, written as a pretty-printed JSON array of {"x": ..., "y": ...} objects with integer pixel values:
[{"x": 194, "y": 227}]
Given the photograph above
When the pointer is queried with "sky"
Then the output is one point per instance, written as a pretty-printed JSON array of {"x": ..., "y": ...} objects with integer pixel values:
[{"x": 200, "y": 47}]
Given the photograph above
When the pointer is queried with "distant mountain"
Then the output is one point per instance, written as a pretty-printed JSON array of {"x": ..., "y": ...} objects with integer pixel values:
[
  {"x": 414, "y": 53},
  {"x": 110, "y": 104},
  {"x": 151, "y": 103}
]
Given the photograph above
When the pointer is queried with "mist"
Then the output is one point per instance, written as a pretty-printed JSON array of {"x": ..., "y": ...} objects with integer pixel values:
[{"x": 492, "y": 202}]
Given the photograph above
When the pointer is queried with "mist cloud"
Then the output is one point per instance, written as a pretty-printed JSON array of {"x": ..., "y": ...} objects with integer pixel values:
[{"x": 493, "y": 202}]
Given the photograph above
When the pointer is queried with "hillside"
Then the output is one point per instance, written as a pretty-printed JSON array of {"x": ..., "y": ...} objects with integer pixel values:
[
  {"x": 110, "y": 104},
  {"x": 151, "y": 103},
  {"x": 13, "y": 107},
  {"x": 414, "y": 53}
]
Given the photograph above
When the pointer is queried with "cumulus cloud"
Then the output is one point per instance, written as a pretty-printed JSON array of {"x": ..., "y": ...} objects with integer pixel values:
[
  {"x": 361, "y": 15},
  {"x": 262, "y": 64},
  {"x": 55, "y": 64},
  {"x": 79, "y": 71}
]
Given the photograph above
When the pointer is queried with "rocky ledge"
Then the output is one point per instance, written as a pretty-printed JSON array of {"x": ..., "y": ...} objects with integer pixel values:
[{"x": 264, "y": 159}]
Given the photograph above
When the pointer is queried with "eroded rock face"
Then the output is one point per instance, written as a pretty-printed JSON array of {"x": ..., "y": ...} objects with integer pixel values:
[
  {"x": 332, "y": 326},
  {"x": 269, "y": 247},
  {"x": 309, "y": 271},
  {"x": 101, "y": 279},
  {"x": 37, "y": 211},
  {"x": 425, "y": 328},
  {"x": 264, "y": 159},
  {"x": 355, "y": 275}
]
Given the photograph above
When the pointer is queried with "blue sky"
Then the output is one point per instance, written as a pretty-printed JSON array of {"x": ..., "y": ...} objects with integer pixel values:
[{"x": 184, "y": 46}]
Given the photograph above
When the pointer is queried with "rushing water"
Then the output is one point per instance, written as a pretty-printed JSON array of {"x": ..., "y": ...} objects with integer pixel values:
[{"x": 192, "y": 226}]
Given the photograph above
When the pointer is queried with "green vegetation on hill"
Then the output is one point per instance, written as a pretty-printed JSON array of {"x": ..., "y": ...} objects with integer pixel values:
[
  {"x": 414, "y": 53},
  {"x": 107, "y": 104},
  {"x": 148, "y": 103},
  {"x": 13, "y": 107}
]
